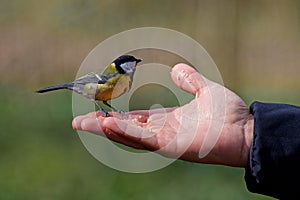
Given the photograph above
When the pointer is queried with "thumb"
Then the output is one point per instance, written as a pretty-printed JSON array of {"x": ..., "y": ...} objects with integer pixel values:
[{"x": 188, "y": 79}]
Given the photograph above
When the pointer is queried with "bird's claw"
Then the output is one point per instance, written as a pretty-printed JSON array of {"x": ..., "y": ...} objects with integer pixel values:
[{"x": 103, "y": 113}]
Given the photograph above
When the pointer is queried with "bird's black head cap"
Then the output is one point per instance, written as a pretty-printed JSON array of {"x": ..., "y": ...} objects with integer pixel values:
[{"x": 124, "y": 59}]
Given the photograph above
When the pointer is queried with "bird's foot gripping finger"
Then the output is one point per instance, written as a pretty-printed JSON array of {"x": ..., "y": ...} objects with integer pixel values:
[
  {"x": 100, "y": 109},
  {"x": 103, "y": 113}
]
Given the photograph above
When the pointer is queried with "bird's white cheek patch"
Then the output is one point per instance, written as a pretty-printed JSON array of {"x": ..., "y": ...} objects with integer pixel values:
[{"x": 129, "y": 67}]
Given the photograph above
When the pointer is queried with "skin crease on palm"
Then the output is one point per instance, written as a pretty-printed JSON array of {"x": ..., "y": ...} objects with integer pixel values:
[{"x": 215, "y": 124}]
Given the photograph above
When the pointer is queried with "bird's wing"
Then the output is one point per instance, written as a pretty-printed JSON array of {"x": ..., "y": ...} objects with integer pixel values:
[{"x": 91, "y": 78}]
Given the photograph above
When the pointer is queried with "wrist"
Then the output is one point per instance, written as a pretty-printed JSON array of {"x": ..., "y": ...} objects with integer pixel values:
[{"x": 248, "y": 137}]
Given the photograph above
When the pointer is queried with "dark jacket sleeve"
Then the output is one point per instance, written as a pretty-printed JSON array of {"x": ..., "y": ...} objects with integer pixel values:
[{"x": 274, "y": 160}]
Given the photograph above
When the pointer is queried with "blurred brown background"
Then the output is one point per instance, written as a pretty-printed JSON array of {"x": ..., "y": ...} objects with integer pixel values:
[{"x": 255, "y": 44}]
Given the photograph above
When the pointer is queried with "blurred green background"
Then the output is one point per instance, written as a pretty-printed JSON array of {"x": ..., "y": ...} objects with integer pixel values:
[{"x": 255, "y": 44}]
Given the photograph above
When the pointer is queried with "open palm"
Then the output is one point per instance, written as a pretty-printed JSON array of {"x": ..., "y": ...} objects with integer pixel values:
[{"x": 215, "y": 127}]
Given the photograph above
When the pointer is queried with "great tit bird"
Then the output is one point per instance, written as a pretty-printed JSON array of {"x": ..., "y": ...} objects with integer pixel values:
[{"x": 113, "y": 82}]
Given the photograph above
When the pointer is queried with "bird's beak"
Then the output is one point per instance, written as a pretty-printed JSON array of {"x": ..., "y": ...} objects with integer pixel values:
[{"x": 138, "y": 60}]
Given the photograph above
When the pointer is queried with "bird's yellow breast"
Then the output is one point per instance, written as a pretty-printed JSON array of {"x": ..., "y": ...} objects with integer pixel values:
[{"x": 113, "y": 88}]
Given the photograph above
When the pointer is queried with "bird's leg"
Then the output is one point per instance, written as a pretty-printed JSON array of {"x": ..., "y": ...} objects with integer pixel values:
[
  {"x": 113, "y": 109},
  {"x": 100, "y": 109}
]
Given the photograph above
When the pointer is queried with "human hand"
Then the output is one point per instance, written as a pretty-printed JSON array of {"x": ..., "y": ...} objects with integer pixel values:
[{"x": 215, "y": 127}]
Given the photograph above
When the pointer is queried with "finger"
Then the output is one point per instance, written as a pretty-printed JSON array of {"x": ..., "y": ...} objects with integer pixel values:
[
  {"x": 94, "y": 126},
  {"x": 91, "y": 125},
  {"x": 143, "y": 116},
  {"x": 187, "y": 78},
  {"x": 121, "y": 140},
  {"x": 153, "y": 111},
  {"x": 123, "y": 127},
  {"x": 76, "y": 123},
  {"x": 132, "y": 132}
]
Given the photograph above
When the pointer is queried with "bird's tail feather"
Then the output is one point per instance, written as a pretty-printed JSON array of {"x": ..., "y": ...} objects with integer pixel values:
[{"x": 56, "y": 87}]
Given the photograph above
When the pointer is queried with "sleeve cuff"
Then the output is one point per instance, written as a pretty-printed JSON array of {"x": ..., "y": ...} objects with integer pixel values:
[{"x": 273, "y": 167}]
